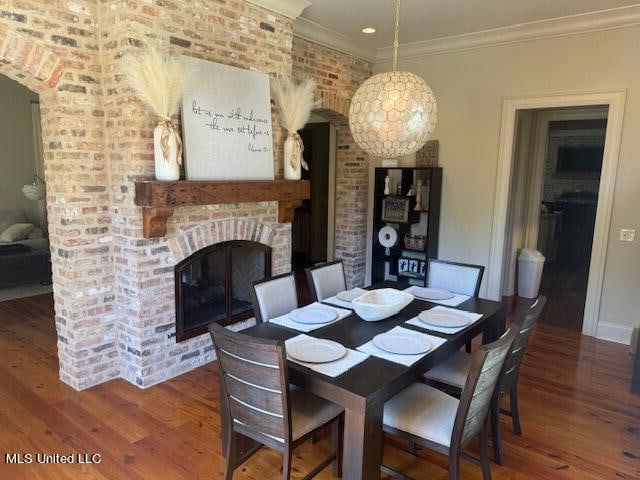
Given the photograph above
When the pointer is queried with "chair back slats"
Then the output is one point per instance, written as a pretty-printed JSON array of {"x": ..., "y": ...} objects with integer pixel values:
[
  {"x": 253, "y": 373},
  {"x": 523, "y": 325},
  {"x": 486, "y": 368},
  {"x": 254, "y": 383},
  {"x": 274, "y": 296},
  {"x": 326, "y": 279},
  {"x": 257, "y": 419},
  {"x": 259, "y": 353},
  {"x": 460, "y": 278},
  {"x": 258, "y": 397},
  {"x": 271, "y": 441}
]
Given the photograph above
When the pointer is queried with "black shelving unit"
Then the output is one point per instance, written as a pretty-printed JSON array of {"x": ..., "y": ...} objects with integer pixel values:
[{"x": 384, "y": 262}]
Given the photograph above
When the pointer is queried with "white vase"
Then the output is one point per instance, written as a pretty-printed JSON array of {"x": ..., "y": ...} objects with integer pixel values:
[
  {"x": 418, "y": 196},
  {"x": 292, "y": 153},
  {"x": 167, "y": 169}
]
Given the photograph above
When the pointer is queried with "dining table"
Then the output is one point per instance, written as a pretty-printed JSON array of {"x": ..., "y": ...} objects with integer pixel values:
[{"x": 363, "y": 389}]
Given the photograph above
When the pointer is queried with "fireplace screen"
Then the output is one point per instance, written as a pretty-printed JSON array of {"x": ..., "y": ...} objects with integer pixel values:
[{"x": 215, "y": 284}]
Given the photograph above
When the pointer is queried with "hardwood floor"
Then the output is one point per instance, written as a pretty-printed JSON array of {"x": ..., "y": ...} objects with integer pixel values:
[
  {"x": 579, "y": 419},
  {"x": 565, "y": 286}
]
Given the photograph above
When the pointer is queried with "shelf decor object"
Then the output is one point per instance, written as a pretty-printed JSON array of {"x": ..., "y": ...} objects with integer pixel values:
[
  {"x": 411, "y": 267},
  {"x": 158, "y": 199},
  {"x": 418, "y": 206},
  {"x": 158, "y": 80},
  {"x": 395, "y": 209},
  {"x": 294, "y": 103},
  {"x": 427, "y": 156},
  {"x": 387, "y": 236},
  {"x": 403, "y": 265},
  {"x": 415, "y": 242},
  {"x": 393, "y": 113}
]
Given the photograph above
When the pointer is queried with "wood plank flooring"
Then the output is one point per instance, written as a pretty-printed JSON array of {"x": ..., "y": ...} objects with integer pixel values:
[
  {"x": 565, "y": 286},
  {"x": 579, "y": 419}
]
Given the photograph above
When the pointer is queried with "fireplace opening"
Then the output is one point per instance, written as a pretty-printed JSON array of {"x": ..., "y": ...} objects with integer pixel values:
[{"x": 215, "y": 285}]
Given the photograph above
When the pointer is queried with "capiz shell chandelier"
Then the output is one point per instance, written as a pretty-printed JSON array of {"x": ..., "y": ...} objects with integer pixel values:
[{"x": 393, "y": 113}]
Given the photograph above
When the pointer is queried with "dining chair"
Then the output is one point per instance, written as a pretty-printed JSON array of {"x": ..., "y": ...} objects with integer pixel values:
[
  {"x": 434, "y": 419},
  {"x": 460, "y": 278},
  {"x": 326, "y": 279},
  {"x": 260, "y": 405},
  {"x": 274, "y": 296},
  {"x": 453, "y": 373}
]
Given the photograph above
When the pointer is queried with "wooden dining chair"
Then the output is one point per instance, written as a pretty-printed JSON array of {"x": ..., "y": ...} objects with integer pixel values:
[
  {"x": 453, "y": 373},
  {"x": 260, "y": 405},
  {"x": 326, "y": 279},
  {"x": 460, "y": 278},
  {"x": 274, "y": 296},
  {"x": 434, "y": 419}
]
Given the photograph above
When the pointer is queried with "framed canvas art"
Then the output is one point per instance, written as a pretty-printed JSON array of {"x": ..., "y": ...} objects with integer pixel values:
[{"x": 226, "y": 123}]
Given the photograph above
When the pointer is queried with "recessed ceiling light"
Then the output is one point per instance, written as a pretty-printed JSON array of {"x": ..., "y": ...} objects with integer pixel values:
[{"x": 368, "y": 30}]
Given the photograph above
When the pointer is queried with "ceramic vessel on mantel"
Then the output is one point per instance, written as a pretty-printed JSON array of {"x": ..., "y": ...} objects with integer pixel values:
[
  {"x": 167, "y": 159},
  {"x": 292, "y": 160}
]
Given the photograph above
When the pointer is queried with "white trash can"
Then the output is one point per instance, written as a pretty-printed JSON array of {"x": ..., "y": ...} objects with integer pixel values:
[{"x": 530, "y": 263}]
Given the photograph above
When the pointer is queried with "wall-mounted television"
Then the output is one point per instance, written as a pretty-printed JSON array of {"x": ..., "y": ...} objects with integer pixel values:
[{"x": 582, "y": 159}]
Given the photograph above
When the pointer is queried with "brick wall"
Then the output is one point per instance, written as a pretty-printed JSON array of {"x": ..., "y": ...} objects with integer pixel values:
[
  {"x": 52, "y": 48},
  {"x": 338, "y": 76},
  {"x": 113, "y": 289},
  {"x": 235, "y": 33}
]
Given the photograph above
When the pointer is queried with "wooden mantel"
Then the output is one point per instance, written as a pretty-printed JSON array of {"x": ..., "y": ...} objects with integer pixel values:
[{"x": 158, "y": 199}]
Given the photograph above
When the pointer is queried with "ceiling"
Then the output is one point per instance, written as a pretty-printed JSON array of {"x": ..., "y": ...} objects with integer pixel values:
[{"x": 422, "y": 20}]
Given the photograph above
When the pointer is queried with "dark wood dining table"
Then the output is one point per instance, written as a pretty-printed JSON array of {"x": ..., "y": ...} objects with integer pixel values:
[{"x": 363, "y": 389}]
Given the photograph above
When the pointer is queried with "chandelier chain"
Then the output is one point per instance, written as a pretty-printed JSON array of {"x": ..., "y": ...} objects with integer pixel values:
[{"x": 395, "y": 38}]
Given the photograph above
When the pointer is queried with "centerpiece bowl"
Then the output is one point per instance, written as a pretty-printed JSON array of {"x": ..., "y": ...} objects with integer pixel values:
[{"x": 379, "y": 304}]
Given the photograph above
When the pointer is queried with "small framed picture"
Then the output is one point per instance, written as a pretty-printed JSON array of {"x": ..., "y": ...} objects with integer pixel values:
[
  {"x": 403, "y": 265},
  {"x": 423, "y": 268},
  {"x": 414, "y": 267},
  {"x": 395, "y": 209}
]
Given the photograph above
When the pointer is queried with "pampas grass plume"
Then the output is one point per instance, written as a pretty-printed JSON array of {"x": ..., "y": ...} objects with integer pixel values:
[
  {"x": 295, "y": 102},
  {"x": 157, "y": 78}
]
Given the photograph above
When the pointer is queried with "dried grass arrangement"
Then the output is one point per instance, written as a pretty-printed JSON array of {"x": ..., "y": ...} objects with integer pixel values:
[
  {"x": 158, "y": 80},
  {"x": 294, "y": 103}
]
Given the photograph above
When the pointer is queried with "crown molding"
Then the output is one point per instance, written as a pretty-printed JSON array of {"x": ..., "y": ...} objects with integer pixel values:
[
  {"x": 555, "y": 27},
  {"x": 288, "y": 8},
  {"x": 310, "y": 30}
]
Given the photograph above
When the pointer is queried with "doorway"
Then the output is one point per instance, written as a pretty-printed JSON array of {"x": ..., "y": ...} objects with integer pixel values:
[
  {"x": 313, "y": 223},
  {"x": 557, "y": 169},
  {"x": 504, "y": 236},
  {"x": 25, "y": 258}
]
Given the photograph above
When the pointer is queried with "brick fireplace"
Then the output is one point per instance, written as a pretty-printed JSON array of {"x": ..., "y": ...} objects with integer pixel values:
[
  {"x": 215, "y": 284},
  {"x": 149, "y": 351},
  {"x": 113, "y": 288}
]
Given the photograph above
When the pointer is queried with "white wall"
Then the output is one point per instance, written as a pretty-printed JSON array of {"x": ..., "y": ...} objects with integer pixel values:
[
  {"x": 17, "y": 154},
  {"x": 470, "y": 87}
]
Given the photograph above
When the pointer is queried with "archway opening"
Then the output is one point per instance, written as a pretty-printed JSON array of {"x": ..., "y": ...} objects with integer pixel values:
[{"x": 25, "y": 259}]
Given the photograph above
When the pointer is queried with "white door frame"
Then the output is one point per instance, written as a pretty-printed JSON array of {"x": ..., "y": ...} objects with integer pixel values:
[{"x": 615, "y": 100}]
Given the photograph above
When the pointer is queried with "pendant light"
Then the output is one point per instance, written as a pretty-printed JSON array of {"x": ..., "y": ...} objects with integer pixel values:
[{"x": 393, "y": 113}]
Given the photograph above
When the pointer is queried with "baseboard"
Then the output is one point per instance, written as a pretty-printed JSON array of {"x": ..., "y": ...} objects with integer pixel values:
[{"x": 614, "y": 332}]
